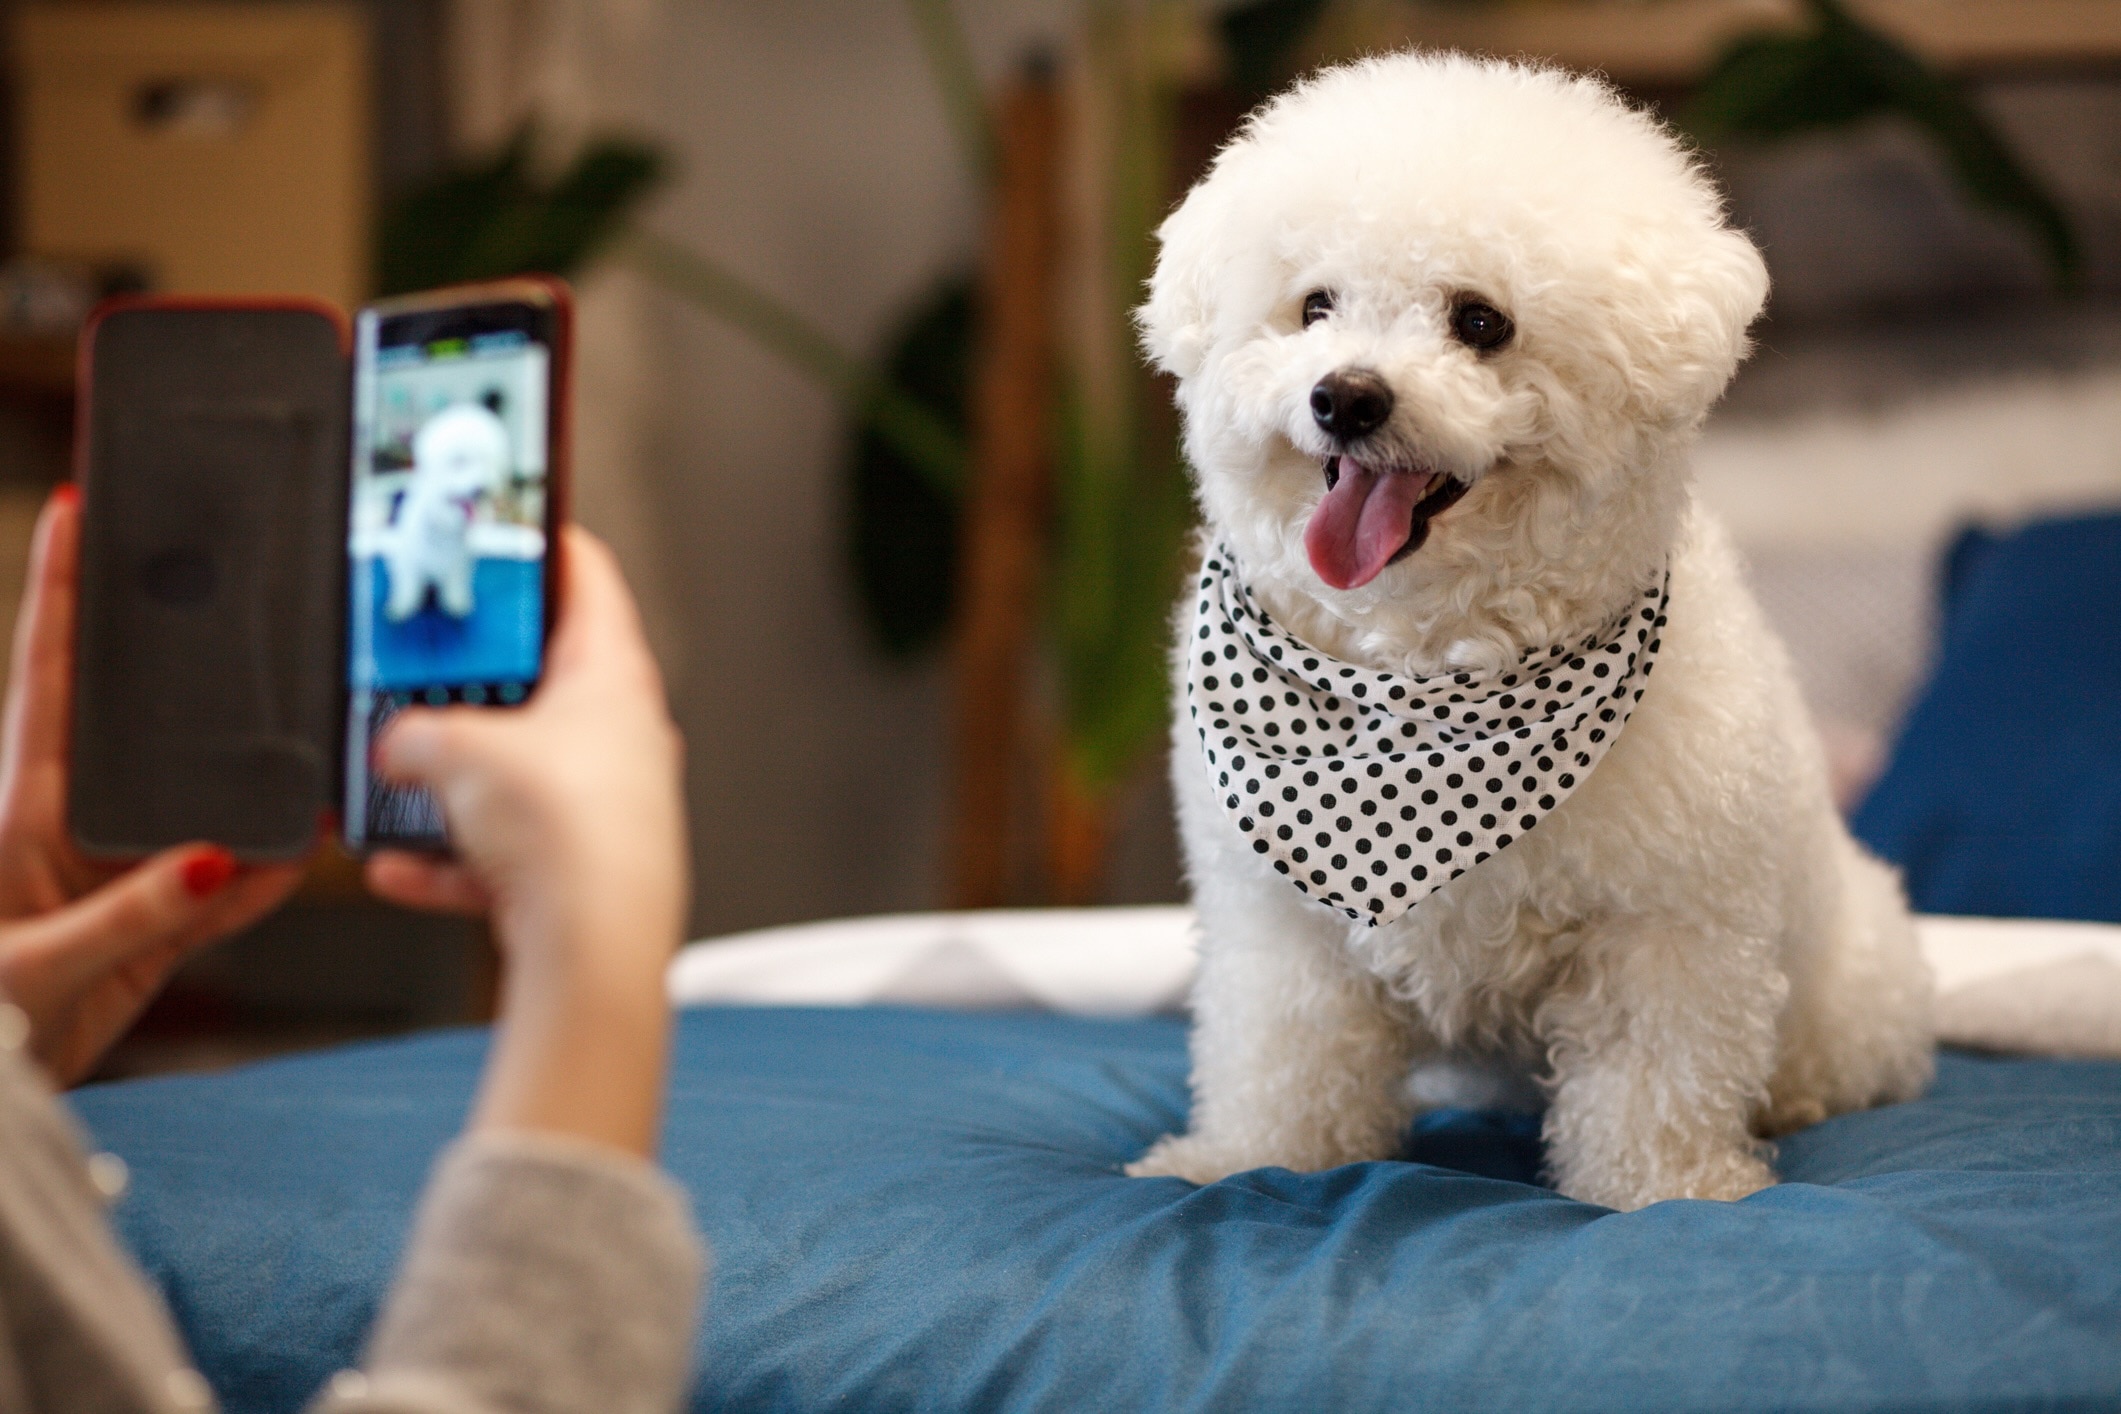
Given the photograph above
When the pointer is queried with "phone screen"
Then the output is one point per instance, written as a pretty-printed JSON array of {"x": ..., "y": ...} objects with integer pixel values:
[{"x": 449, "y": 535}]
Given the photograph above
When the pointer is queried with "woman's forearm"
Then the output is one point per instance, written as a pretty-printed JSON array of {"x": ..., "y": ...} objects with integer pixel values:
[
  {"x": 553, "y": 1270},
  {"x": 580, "y": 1055}
]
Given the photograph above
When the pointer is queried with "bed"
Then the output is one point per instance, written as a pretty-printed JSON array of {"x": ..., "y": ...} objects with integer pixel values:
[
  {"x": 903, "y": 1139},
  {"x": 914, "y": 1208}
]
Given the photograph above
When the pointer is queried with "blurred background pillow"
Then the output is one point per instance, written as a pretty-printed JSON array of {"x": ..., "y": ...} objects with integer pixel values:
[{"x": 2003, "y": 796}]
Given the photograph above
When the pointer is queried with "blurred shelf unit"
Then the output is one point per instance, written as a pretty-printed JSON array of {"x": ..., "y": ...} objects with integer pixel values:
[
  {"x": 1670, "y": 43},
  {"x": 37, "y": 368},
  {"x": 185, "y": 148},
  {"x": 208, "y": 147}
]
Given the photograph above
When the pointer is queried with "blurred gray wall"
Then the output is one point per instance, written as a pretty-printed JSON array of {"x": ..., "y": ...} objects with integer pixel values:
[{"x": 814, "y": 158}]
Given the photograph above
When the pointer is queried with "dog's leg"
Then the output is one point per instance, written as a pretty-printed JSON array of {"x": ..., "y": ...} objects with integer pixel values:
[
  {"x": 453, "y": 586},
  {"x": 1661, "y": 1042},
  {"x": 406, "y": 587},
  {"x": 1859, "y": 1027},
  {"x": 1299, "y": 1058}
]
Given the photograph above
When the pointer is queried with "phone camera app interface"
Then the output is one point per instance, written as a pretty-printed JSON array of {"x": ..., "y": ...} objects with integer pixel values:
[{"x": 448, "y": 532}]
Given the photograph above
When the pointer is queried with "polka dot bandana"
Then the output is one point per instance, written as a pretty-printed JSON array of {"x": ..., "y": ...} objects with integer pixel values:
[{"x": 1370, "y": 791}]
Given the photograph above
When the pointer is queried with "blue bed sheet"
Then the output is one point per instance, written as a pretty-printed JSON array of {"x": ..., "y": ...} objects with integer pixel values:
[{"x": 922, "y": 1210}]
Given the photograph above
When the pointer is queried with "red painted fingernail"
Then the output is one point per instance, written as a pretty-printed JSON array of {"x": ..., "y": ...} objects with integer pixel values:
[
  {"x": 208, "y": 872},
  {"x": 67, "y": 493}
]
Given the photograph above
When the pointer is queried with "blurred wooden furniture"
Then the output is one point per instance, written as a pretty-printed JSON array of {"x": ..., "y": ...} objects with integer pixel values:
[
  {"x": 1007, "y": 499},
  {"x": 37, "y": 367},
  {"x": 213, "y": 147},
  {"x": 37, "y": 387},
  {"x": 1088, "y": 160},
  {"x": 1670, "y": 43}
]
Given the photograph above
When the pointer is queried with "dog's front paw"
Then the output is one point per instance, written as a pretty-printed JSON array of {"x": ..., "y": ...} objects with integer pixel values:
[
  {"x": 1786, "y": 1114},
  {"x": 1725, "y": 1176},
  {"x": 1742, "y": 1176},
  {"x": 1186, "y": 1156}
]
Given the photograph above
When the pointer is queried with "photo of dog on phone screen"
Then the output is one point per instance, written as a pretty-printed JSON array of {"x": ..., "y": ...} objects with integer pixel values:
[{"x": 448, "y": 509}]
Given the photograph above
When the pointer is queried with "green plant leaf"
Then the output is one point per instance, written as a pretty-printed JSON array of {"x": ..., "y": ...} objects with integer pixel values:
[
  {"x": 422, "y": 236},
  {"x": 902, "y": 531},
  {"x": 1258, "y": 37},
  {"x": 493, "y": 217},
  {"x": 1114, "y": 585},
  {"x": 1766, "y": 87},
  {"x": 1123, "y": 503},
  {"x": 1989, "y": 171}
]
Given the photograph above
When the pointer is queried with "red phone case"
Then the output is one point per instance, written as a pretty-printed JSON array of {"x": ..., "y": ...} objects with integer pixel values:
[{"x": 210, "y": 455}]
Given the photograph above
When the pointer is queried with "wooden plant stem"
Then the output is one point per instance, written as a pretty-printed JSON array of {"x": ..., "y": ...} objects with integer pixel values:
[
  {"x": 1006, "y": 507},
  {"x": 1078, "y": 838}
]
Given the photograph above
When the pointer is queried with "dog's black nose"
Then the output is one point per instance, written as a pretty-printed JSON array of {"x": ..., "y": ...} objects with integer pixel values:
[{"x": 1351, "y": 404}]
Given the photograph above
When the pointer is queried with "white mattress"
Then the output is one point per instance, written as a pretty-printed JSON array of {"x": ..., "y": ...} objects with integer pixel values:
[
  {"x": 2003, "y": 984},
  {"x": 1084, "y": 961}
]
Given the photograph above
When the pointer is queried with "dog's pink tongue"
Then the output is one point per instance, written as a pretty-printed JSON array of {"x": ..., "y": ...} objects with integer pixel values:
[{"x": 1360, "y": 525}]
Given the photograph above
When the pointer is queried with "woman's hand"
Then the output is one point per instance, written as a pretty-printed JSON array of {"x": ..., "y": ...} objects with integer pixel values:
[
  {"x": 84, "y": 946},
  {"x": 39, "y": 867},
  {"x": 568, "y": 821},
  {"x": 84, "y": 972}
]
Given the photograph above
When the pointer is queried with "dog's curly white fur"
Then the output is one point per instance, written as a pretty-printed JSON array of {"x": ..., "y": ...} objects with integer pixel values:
[
  {"x": 1691, "y": 953},
  {"x": 458, "y": 455}
]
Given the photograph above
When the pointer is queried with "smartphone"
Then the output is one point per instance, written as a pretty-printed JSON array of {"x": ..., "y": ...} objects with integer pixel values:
[
  {"x": 211, "y": 458},
  {"x": 456, "y": 496}
]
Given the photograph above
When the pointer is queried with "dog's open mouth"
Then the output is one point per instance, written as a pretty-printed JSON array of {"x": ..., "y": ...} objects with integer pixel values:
[{"x": 1373, "y": 516}]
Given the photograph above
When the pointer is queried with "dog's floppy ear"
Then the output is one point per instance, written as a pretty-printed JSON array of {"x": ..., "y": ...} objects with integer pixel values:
[
  {"x": 1719, "y": 287},
  {"x": 1175, "y": 323},
  {"x": 1735, "y": 289}
]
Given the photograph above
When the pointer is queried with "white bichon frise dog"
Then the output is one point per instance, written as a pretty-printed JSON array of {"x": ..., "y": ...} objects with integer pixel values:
[
  {"x": 458, "y": 455},
  {"x": 1443, "y": 330}
]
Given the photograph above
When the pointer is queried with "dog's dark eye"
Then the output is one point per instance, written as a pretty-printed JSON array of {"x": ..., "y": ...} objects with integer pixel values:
[
  {"x": 1481, "y": 326},
  {"x": 1317, "y": 305}
]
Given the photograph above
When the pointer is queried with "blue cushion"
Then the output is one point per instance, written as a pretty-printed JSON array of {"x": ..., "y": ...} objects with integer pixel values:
[
  {"x": 924, "y": 1210},
  {"x": 2003, "y": 797}
]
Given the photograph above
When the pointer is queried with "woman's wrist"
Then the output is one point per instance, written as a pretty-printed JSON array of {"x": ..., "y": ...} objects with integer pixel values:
[
  {"x": 580, "y": 1048},
  {"x": 579, "y": 1074},
  {"x": 609, "y": 953}
]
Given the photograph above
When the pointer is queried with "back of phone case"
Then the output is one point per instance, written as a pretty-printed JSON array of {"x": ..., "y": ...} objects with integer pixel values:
[{"x": 214, "y": 471}]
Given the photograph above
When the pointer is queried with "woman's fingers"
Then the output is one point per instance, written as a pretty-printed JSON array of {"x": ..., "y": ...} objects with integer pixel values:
[
  {"x": 41, "y": 678},
  {"x": 425, "y": 746},
  {"x": 253, "y": 892},
  {"x": 426, "y": 883},
  {"x": 83, "y": 972},
  {"x": 160, "y": 904},
  {"x": 597, "y": 611}
]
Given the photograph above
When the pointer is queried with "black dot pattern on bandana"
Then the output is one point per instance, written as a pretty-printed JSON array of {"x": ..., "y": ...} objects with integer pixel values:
[{"x": 1369, "y": 791}]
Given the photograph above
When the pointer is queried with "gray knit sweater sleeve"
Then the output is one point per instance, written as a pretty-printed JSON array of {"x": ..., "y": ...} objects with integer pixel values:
[
  {"x": 80, "y": 1329},
  {"x": 544, "y": 1276}
]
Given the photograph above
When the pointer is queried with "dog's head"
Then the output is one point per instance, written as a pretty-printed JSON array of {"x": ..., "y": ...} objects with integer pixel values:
[
  {"x": 463, "y": 448},
  {"x": 1441, "y": 327}
]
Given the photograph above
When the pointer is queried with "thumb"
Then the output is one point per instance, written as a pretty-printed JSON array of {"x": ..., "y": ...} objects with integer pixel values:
[
  {"x": 156, "y": 905},
  {"x": 426, "y": 746}
]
